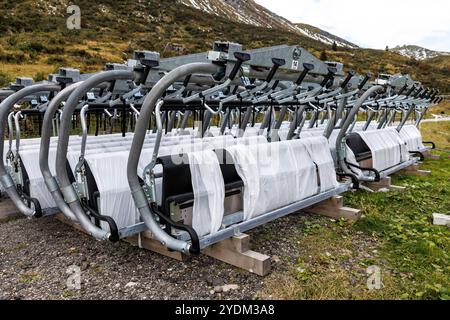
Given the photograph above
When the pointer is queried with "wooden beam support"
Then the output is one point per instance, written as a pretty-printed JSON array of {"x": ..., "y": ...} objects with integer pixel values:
[
  {"x": 384, "y": 183},
  {"x": 429, "y": 155},
  {"x": 155, "y": 246},
  {"x": 397, "y": 188},
  {"x": 236, "y": 251},
  {"x": 334, "y": 208},
  {"x": 415, "y": 170}
]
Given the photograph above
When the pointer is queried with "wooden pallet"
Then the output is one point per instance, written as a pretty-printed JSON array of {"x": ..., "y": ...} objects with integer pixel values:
[{"x": 334, "y": 208}]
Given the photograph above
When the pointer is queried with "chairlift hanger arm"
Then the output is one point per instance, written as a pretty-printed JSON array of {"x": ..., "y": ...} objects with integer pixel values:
[
  {"x": 241, "y": 58},
  {"x": 277, "y": 63}
]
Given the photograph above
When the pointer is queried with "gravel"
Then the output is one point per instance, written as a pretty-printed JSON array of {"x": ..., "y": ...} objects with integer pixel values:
[{"x": 37, "y": 256}]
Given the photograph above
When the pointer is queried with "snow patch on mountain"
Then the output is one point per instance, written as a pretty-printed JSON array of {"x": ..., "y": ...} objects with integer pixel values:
[
  {"x": 418, "y": 53},
  {"x": 249, "y": 12}
]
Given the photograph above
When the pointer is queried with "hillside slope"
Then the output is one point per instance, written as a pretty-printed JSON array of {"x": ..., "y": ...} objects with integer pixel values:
[
  {"x": 418, "y": 53},
  {"x": 243, "y": 11},
  {"x": 324, "y": 36},
  {"x": 34, "y": 40},
  {"x": 249, "y": 12}
]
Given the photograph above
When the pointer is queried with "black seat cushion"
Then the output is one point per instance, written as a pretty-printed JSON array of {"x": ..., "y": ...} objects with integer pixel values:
[
  {"x": 358, "y": 146},
  {"x": 26, "y": 179},
  {"x": 177, "y": 184},
  {"x": 92, "y": 188}
]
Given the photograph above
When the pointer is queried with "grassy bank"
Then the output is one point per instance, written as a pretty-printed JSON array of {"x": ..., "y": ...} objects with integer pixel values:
[{"x": 395, "y": 234}]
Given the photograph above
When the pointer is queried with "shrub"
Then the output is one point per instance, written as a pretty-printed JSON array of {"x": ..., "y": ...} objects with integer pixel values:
[
  {"x": 5, "y": 79},
  {"x": 40, "y": 76}
]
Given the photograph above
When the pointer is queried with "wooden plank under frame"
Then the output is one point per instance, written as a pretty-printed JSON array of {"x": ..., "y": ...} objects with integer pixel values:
[
  {"x": 234, "y": 251},
  {"x": 415, "y": 170},
  {"x": 429, "y": 155},
  {"x": 384, "y": 183},
  {"x": 334, "y": 208}
]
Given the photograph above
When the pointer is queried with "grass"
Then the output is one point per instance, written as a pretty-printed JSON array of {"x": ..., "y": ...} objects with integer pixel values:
[
  {"x": 394, "y": 233},
  {"x": 25, "y": 278},
  {"x": 442, "y": 109},
  {"x": 438, "y": 132}
]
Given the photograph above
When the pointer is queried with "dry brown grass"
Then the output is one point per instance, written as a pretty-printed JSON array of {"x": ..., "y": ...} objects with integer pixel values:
[
  {"x": 443, "y": 109},
  {"x": 438, "y": 132},
  {"x": 26, "y": 70}
]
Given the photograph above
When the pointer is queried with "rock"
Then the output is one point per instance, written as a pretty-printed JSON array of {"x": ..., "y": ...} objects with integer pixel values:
[
  {"x": 84, "y": 266},
  {"x": 214, "y": 281},
  {"x": 218, "y": 289},
  {"x": 130, "y": 284},
  {"x": 441, "y": 219},
  {"x": 275, "y": 259},
  {"x": 20, "y": 286},
  {"x": 218, "y": 282},
  {"x": 229, "y": 287}
]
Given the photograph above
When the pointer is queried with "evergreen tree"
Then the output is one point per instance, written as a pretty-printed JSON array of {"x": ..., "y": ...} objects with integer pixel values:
[{"x": 334, "y": 46}]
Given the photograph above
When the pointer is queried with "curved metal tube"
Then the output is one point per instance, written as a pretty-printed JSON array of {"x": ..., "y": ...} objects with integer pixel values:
[
  {"x": 138, "y": 193},
  {"x": 68, "y": 192},
  {"x": 17, "y": 125},
  {"x": 340, "y": 143},
  {"x": 84, "y": 129},
  {"x": 10, "y": 132},
  {"x": 50, "y": 181},
  {"x": 5, "y": 107}
]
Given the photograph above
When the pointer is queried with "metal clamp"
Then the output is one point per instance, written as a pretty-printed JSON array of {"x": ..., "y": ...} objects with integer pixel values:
[
  {"x": 52, "y": 184},
  {"x": 7, "y": 181},
  {"x": 69, "y": 194},
  {"x": 140, "y": 199}
]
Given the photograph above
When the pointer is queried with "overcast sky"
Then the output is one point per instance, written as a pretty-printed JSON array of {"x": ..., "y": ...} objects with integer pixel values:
[{"x": 374, "y": 23}]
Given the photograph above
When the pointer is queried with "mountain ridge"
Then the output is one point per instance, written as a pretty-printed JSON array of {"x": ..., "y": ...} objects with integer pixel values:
[
  {"x": 251, "y": 13},
  {"x": 34, "y": 40},
  {"x": 418, "y": 53}
]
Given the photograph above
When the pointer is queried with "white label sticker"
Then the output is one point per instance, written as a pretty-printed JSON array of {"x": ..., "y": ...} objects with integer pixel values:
[{"x": 295, "y": 64}]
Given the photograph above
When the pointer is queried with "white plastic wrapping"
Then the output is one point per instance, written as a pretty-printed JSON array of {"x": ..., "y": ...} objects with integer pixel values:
[
  {"x": 209, "y": 192},
  {"x": 274, "y": 175},
  {"x": 115, "y": 197},
  {"x": 387, "y": 148},
  {"x": 38, "y": 188},
  {"x": 411, "y": 135},
  {"x": 319, "y": 151},
  {"x": 110, "y": 175}
]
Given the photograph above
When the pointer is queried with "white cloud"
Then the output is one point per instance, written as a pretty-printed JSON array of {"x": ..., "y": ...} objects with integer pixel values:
[{"x": 372, "y": 23}]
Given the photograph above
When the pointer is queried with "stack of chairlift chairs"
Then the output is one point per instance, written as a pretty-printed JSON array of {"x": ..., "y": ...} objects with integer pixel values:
[{"x": 198, "y": 148}]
